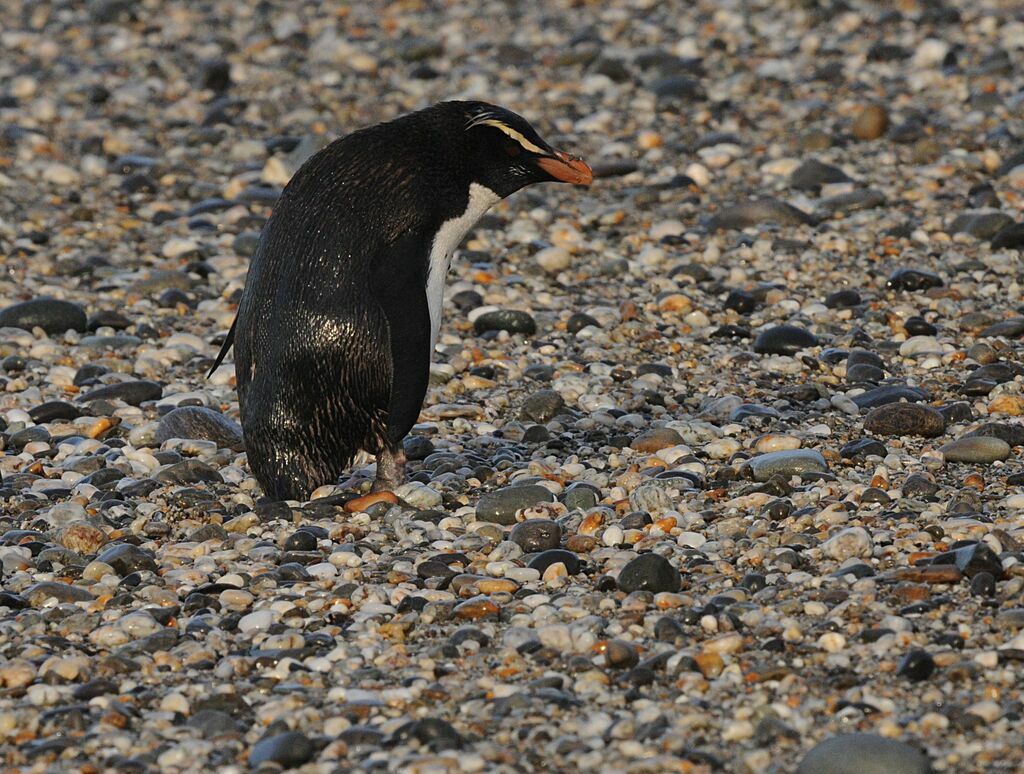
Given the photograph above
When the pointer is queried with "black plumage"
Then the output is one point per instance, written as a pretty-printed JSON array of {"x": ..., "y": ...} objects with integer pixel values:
[{"x": 333, "y": 333}]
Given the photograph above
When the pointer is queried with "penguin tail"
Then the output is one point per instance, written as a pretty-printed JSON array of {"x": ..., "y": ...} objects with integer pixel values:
[{"x": 228, "y": 341}]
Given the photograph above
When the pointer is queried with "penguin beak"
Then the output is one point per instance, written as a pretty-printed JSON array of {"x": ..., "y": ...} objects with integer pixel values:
[{"x": 566, "y": 168}]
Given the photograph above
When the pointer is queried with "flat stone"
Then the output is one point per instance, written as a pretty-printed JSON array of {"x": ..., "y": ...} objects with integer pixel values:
[
  {"x": 656, "y": 439},
  {"x": 900, "y": 419},
  {"x": 38, "y": 593},
  {"x": 757, "y": 212},
  {"x": 792, "y": 462},
  {"x": 978, "y": 449},
  {"x": 784, "y": 340},
  {"x": 863, "y": 753},
  {"x": 511, "y": 320},
  {"x": 500, "y": 507},
  {"x": 52, "y": 315},
  {"x": 131, "y": 392},
  {"x": 203, "y": 424},
  {"x": 889, "y": 393}
]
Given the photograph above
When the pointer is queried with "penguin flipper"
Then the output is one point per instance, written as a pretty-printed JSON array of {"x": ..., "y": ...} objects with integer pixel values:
[
  {"x": 399, "y": 287},
  {"x": 228, "y": 341}
]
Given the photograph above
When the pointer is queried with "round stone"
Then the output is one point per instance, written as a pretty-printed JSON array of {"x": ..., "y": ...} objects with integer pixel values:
[
  {"x": 535, "y": 535},
  {"x": 649, "y": 572}
]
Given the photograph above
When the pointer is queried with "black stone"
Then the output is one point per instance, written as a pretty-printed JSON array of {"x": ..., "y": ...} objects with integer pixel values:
[
  {"x": 861, "y": 448},
  {"x": 53, "y": 410},
  {"x": 889, "y": 393},
  {"x": 913, "y": 280},
  {"x": 535, "y": 535},
  {"x": 133, "y": 392},
  {"x": 580, "y": 320},
  {"x": 741, "y": 301},
  {"x": 842, "y": 299},
  {"x": 545, "y": 559},
  {"x": 649, "y": 572},
  {"x": 784, "y": 340},
  {"x": 52, "y": 315},
  {"x": 813, "y": 174},
  {"x": 126, "y": 558},
  {"x": 511, "y": 320},
  {"x": 983, "y": 585},
  {"x": 916, "y": 665},
  {"x": 289, "y": 750}
]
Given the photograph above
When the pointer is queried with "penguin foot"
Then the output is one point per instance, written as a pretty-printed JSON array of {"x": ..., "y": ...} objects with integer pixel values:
[{"x": 390, "y": 470}]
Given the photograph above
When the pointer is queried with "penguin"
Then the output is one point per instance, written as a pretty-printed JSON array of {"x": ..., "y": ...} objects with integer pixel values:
[{"x": 342, "y": 303}]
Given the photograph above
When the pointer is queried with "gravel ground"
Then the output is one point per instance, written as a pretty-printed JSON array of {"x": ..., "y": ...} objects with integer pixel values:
[{"x": 720, "y": 460}]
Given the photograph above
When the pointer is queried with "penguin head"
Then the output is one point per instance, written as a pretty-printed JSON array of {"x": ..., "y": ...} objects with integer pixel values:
[{"x": 506, "y": 153}]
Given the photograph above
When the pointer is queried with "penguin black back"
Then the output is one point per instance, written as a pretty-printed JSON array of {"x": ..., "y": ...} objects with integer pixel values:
[{"x": 342, "y": 302}]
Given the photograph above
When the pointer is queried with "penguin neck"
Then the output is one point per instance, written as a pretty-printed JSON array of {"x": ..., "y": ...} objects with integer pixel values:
[{"x": 448, "y": 236}]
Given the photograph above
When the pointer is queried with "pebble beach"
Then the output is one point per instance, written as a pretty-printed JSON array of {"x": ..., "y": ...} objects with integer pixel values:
[{"x": 720, "y": 464}]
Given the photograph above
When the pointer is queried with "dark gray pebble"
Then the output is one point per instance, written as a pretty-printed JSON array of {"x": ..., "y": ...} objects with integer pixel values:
[
  {"x": 541, "y": 406},
  {"x": 534, "y": 535},
  {"x": 863, "y": 753},
  {"x": 784, "y": 340},
  {"x": 500, "y": 507},
  {"x": 200, "y": 423},
  {"x": 52, "y": 315},
  {"x": 131, "y": 392},
  {"x": 649, "y": 572},
  {"x": 899, "y": 419},
  {"x": 126, "y": 558},
  {"x": 289, "y": 750},
  {"x": 511, "y": 320},
  {"x": 757, "y": 212}
]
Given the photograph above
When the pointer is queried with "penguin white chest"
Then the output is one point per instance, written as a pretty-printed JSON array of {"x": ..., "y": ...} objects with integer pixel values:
[{"x": 445, "y": 241}]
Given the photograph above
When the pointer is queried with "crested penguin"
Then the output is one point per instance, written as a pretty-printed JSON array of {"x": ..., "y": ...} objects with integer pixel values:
[{"x": 342, "y": 303}]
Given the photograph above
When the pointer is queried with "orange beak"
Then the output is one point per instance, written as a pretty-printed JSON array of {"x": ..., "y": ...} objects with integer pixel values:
[{"x": 568, "y": 169}]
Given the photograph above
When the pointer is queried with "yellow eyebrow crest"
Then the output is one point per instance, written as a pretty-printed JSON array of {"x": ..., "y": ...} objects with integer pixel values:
[{"x": 517, "y": 136}]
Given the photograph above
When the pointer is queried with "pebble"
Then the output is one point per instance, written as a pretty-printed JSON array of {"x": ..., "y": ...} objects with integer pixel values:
[
  {"x": 649, "y": 572},
  {"x": 52, "y": 315},
  {"x": 905, "y": 419},
  {"x": 536, "y": 535},
  {"x": 542, "y": 406},
  {"x": 871, "y": 123},
  {"x": 200, "y": 423},
  {"x": 863, "y": 753},
  {"x": 784, "y": 340},
  {"x": 852, "y": 542},
  {"x": 757, "y": 212},
  {"x": 511, "y": 320},
  {"x": 655, "y": 440},
  {"x": 796, "y": 462},
  {"x": 501, "y": 506},
  {"x": 979, "y": 449},
  {"x": 289, "y": 750}
]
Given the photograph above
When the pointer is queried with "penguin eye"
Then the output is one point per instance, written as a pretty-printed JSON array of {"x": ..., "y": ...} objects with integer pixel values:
[{"x": 512, "y": 149}]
